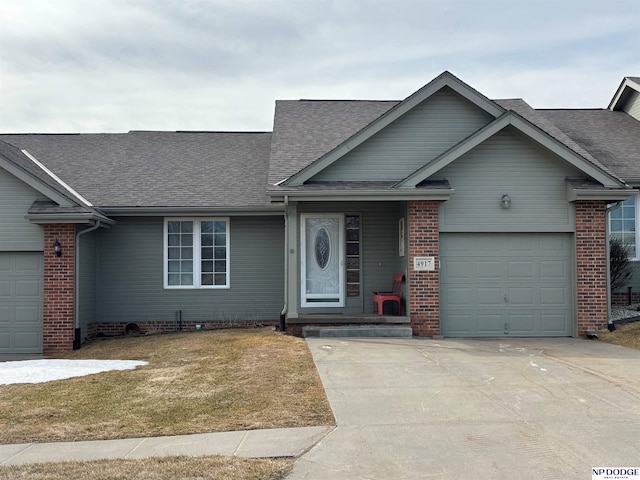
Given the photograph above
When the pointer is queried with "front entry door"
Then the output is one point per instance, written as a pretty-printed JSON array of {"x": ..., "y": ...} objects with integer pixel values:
[{"x": 322, "y": 260}]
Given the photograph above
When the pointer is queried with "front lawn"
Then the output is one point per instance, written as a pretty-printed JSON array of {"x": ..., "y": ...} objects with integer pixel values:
[
  {"x": 626, "y": 334},
  {"x": 196, "y": 382},
  {"x": 162, "y": 468}
]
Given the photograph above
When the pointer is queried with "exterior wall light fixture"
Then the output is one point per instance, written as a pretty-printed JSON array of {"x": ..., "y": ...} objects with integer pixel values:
[
  {"x": 505, "y": 201},
  {"x": 57, "y": 248}
]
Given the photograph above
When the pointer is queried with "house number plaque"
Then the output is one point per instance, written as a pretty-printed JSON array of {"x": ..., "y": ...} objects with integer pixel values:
[{"x": 424, "y": 264}]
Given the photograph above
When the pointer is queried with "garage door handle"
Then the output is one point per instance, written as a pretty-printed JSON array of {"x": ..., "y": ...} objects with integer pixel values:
[{"x": 506, "y": 299}]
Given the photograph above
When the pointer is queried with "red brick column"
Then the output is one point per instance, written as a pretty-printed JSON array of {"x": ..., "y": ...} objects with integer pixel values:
[
  {"x": 58, "y": 326},
  {"x": 591, "y": 263},
  {"x": 424, "y": 289}
]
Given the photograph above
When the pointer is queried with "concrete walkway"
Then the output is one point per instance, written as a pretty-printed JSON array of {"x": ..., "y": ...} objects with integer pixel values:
[
  {"x": 481, "y": 409},
  {"x": 283, "y": 442}
]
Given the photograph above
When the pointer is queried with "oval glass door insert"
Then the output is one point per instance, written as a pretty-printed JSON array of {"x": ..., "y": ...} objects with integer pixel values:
[{"x": 323, "y": 248}]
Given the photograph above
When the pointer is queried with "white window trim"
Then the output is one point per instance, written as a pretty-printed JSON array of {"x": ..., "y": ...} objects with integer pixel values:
[
  {"x": 196, "y": 253},
  {"x": 637, "y": 211}
]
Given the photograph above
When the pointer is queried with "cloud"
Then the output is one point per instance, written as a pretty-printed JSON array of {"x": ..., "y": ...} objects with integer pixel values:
[{"x": 91, "y": 65}]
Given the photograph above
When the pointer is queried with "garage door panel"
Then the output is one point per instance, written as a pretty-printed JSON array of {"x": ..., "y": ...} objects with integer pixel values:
[
  {"x": 520, "y": 270},
  {"x": 21, "y": 299},
  {"x": 460, "y": 296},
  {"x": 556, "y": 296},
  {"x": 27, "y": 314},
  {"x": 550, "y": 245},
  {"x": 489, "y": 323},
  {"x": 553, "y": 322},
  {"x": 522, "y": 323},
  {"x": 490, "y": 296},
  {"x": 460, "y": 270},
  {"x": 484, "y": 246},
  {"x": 513, "y": 284},
  {"x": 521, "y": 296},
  {"x": 5, "y": 289},
  {"x": 27, "y": 340},
  {"x": 487, "y": 270},
  {"x": 519, "y": 245},
  {"x": 6, "y": 264},
  {"x": 28, "y": 288},
  {"x": 459, "y": 323},
  {"x": 554, "y": 269}
]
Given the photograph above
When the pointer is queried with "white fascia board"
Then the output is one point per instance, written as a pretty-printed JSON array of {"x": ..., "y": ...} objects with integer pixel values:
[
  {"x": 626, "y": 83},
  {"x": 34, "y": 183},
  {"x": 444, "y": 80},
  {"x": 57, "y": 179}
]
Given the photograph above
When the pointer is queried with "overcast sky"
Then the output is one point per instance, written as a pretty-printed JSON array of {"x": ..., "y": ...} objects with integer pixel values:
[{"x": 120, "y": 65}]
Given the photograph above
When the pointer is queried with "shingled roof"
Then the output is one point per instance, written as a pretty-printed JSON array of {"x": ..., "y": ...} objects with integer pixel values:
[
  {"x": 158, "y": 169},
  {"x": 304, "y": 130},
  {"x": 236, "y": 170},
  {"x": 610, "y": 136}
]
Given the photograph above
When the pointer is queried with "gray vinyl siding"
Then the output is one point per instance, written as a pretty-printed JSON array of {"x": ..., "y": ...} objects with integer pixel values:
[
  {"x": 508, "y": 163},
  {"x": 130, "y": 274},
  {"x": 87, "y": 292},
  {"x": 16, "y": 233},
  {"x": 632, "y": 106},
  {"x": 378, "y": 247},
  {"x": 437, "y": 124}
]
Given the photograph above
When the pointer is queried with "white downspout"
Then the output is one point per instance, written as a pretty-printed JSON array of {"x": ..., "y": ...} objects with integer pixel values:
[{"x": 76, "y": 289}]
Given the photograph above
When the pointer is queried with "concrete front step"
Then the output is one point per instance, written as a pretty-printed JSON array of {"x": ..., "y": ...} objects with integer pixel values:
[{"x": 351, "y": 331}]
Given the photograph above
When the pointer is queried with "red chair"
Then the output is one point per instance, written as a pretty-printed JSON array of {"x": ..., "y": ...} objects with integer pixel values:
[{"x": 393, "y": 296}]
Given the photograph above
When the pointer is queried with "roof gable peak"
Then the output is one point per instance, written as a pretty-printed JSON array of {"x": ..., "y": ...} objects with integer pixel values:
[
  {"x": 627, "y": 86},
  {"x": 445, "y": 79}
]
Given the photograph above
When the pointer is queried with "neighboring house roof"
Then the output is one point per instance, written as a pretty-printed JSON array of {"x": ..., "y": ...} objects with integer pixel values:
[
  {"x": 611, "y": 137},
  {"x": 627, "y": 87},
  {"x": 158, "y": 169}
]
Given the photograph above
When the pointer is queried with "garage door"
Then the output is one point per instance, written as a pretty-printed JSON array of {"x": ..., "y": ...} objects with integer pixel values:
[
  {"x": 506, "y": 284},
  {"x": 21, "y": 277}
]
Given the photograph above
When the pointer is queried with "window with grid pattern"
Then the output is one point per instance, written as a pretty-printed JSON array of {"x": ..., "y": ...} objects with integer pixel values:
[
  {"x": 196, "y": 253},
  {"x": 622, "y": 225}
]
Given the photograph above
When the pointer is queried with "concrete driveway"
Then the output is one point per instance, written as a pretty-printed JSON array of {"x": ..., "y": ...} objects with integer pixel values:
[{"x": 475, "y": 409}]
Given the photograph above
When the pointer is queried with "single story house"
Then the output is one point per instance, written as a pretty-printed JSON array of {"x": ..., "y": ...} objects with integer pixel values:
[{"x": 495, "y": 213}]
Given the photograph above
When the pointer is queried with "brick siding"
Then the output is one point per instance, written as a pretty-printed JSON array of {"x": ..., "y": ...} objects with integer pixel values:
[
  {"x": 117, "y": 329},
  {"x": 58, "y": 326},
  {"x": 424, "y": 287},
  {"x": 591, "y": 254}
]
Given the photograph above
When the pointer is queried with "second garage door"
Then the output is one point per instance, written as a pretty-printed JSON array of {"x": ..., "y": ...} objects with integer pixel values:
[
  {"x": 506, "y": 284},
  {"x": 21, "y": 302}
]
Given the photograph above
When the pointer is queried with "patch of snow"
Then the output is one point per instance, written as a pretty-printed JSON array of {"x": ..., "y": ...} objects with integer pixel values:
[{"x": 39, "y": 371}]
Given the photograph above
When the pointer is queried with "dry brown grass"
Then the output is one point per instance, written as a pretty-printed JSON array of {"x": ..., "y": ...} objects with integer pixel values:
[
  {"x": 164, "y": 468},
  {"x": 627, "y": 335},
  {"x": 195, "y": 382}
]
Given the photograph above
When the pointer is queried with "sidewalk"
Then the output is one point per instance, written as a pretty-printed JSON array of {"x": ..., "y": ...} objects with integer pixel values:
[{"x": 279, "y": 442}]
